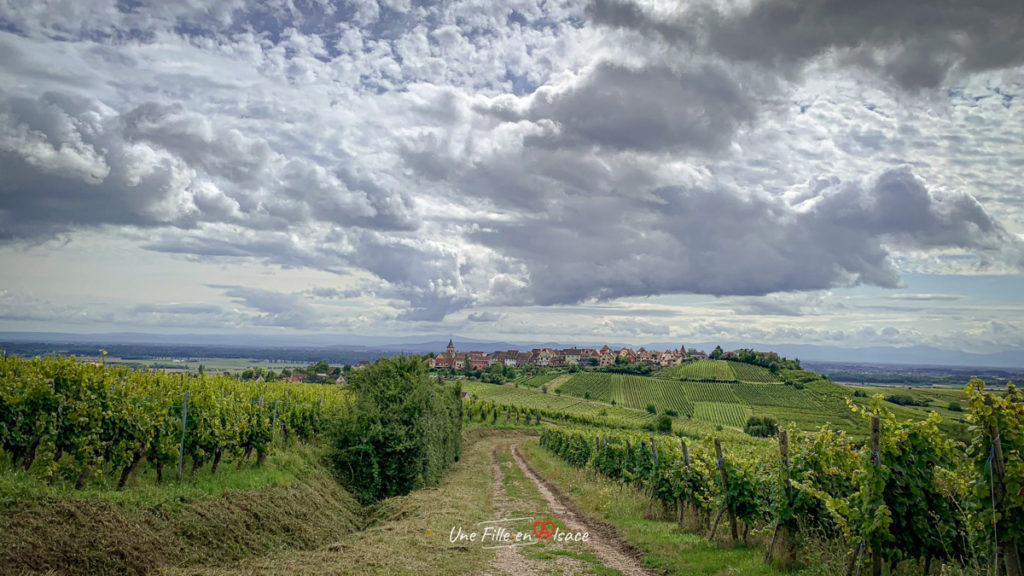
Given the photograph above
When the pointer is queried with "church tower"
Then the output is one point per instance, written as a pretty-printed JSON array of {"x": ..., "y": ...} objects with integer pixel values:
[{"x": 451, "y": 347}]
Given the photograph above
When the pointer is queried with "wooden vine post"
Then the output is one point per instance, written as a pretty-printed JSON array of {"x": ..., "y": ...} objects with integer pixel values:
[
  {"x": 184, "y": 417},
  {"x": 784, "y": 465},
  {"x": 654, "y": 471},
  {"x": 1006, "y": 549},
  {"x": 686, "y": 465},
  {"x": 876, "y": 461},
  {"x": 725, "y": 490}
]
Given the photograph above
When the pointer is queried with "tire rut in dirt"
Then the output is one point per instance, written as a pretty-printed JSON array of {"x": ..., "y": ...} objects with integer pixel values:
[{"x": 604, "y": 541}]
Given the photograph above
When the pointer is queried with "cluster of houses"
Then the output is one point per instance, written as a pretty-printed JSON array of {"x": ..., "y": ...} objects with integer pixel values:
[{"x": 564, "y": 357}]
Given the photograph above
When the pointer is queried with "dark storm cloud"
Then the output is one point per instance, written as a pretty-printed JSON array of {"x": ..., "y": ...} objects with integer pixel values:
[
  {"x": 723, "y": 242},
  {"x": 915, "y": 42},
  {"x": 646, "y": 109}
]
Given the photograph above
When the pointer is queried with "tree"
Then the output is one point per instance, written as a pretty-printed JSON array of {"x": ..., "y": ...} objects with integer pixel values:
[
  {"x": 651, "y": 409},
  {"x": 403, "y": 432},
  {"x": 717, "y": 353}
]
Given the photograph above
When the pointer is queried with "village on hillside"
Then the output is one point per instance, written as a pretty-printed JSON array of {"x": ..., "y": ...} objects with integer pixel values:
[{"x": 604, "y": 356}]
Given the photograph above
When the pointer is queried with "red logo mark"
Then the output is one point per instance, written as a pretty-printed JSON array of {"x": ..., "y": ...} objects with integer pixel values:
[{"x": 544, "y": 530}]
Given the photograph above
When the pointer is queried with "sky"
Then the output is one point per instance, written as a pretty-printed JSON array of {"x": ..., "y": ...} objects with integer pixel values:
[{"x": 813, "y": 171}]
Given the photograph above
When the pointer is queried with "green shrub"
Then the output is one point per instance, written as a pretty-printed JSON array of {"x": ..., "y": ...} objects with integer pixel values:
[
  {"x": 665, "y": 424},
  {"x": 651, "y": 409},
  {"x": 761, "y": 426},
  {"x": 905, "y": 400},
  {"x": 402, "y": 433}
]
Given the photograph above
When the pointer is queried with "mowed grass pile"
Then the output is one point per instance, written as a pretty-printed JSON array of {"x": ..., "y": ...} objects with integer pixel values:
[
  {"x": 409, "y": 534},
  {"x": 292, "y": 502}
]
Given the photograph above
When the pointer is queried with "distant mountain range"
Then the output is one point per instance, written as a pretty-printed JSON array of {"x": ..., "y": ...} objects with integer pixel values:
[{"x": 375, "y": 345}]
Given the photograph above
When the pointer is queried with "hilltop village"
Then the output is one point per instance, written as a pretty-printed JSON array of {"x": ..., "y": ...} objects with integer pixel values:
[{"x": 604, "y": 356}]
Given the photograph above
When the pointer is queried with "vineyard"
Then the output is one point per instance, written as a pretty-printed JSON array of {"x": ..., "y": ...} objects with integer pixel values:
[
  {"x": 811, "y": 403},
  {"x": 631, "y": 391},
  {"x": 64, "y": 419},
  {"x": 701, "y": 370},
  {"x": 907, "y": 497},
  {"x": 600, "y": 385},
  {"x": 724, "y": 413},
  {"x": 751, "y": 373},
  {"x": 776, "y": 395},
  {"x": 557, "y": 407}
]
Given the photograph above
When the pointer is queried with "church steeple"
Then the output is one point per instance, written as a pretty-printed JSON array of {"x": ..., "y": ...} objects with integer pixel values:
[{"x": 451, "y": 347}]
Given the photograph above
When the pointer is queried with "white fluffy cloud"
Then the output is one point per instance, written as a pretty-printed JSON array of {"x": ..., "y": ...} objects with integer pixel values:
[{"x": 473, "y": 154}]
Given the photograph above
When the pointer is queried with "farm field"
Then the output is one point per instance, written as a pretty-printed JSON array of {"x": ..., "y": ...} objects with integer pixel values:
[{"x": 210, "y": 365}]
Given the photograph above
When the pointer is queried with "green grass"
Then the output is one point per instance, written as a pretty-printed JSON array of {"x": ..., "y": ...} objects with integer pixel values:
[
  {"x": 524, "y": 500},
  {"x": 409, "y": 534},
  {"x": 291, "y": 502}
]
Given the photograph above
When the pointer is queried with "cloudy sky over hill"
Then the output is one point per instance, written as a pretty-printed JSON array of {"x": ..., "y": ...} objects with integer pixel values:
[{"x": 817, "y": 171}]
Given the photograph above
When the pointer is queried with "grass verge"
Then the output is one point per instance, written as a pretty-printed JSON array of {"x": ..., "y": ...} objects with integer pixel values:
[
  {"x": 665, "y": 547},
  {"x": 410, "y": 534}
]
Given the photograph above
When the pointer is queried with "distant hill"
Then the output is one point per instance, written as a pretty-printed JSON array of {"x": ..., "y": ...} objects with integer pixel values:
[{"x": 373, "y": 346}]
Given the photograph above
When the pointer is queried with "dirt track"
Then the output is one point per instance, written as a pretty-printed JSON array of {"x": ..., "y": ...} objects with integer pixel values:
[
  {"x": 508, "y": 559},
  {"x": 604, "y": 542}
]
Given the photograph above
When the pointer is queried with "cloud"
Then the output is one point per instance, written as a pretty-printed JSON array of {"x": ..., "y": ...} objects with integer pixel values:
[
  {"x": 485, "y": 317},
  {"x": 452, "y": 156},
  {"x": 917, "y": 44},
  {"x": 274, "y": 308},
  {"x": 652, "y": 108},
  {"x": 176, "y": 309},
  {"x": 726, "y": 242}
]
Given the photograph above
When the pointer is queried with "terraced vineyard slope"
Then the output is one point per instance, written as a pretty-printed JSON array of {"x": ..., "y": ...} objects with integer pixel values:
[{"x": 701, "y": 370}]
